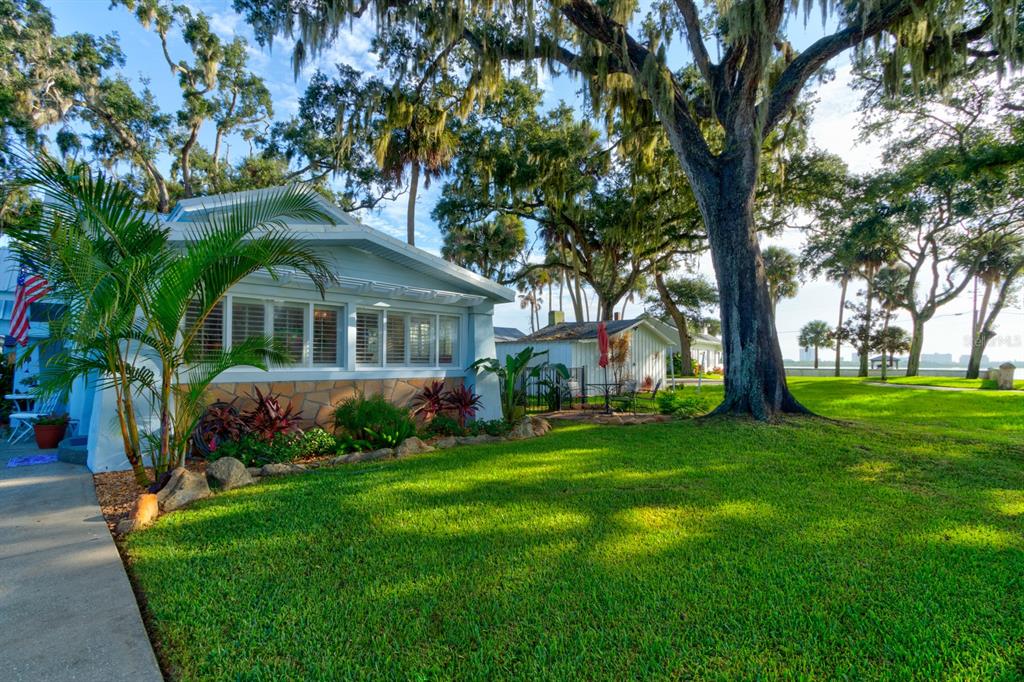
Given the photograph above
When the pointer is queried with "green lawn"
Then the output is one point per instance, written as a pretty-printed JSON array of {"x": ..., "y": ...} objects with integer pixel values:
[
  {"x": 888, "y": 545},
  {"x": 954, "y": 382}
]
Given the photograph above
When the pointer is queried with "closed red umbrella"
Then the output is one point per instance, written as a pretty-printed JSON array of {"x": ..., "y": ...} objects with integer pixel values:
[{"x": 602, "y": 344}]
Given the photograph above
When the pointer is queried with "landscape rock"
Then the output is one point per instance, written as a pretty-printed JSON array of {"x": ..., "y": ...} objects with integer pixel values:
[
  {"x": 367, "y": 456},
  {"x": 182, "y": 488},
  {"x": 228, "y": 473},
  {"x": 522, "y": 429},
  {"x": 412, "y": 446},
  {"x": 540, "y": 425},
  {"x": 124, "y": 526},
  {"x": 145, "y": 511},
  {"x": 281, "y": 469},
  {"x": 446, "y": 443},
  {"x": 476, "y": 440},
  {"x": 254, "y": 471}
]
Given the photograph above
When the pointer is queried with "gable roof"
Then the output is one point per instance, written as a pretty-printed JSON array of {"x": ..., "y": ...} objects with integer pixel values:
[
  {"x": 346, "y": 231},
  {"x": 507, "y": 334},
  {"x": 587, "y": 331}
]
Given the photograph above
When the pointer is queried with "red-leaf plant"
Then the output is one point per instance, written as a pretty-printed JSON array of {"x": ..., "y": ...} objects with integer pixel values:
[
  {"x": 220, "y": 423},
  {"x": 431, "y": 400},
  {"x": 267, "y": 418},
  {"x": 464, "y": 402}
]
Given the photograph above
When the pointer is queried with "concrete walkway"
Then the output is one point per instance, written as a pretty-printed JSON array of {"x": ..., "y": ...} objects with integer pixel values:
[{"x": 67, "y": 611}]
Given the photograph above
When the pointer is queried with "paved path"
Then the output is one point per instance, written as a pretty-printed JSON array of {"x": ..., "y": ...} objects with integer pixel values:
[{"x": 67, "y": 611}]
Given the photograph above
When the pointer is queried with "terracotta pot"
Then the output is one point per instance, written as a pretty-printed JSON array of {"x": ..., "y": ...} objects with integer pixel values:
[{"x": 48, "y": 436}]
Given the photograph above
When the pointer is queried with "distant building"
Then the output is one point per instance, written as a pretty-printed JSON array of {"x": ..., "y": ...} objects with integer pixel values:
[
  {"x": 807, "y": 355},
  {"x": 936, "y": 359},
  {"x": 966, "y": 360},
  {"x": 507, "y": 334}
]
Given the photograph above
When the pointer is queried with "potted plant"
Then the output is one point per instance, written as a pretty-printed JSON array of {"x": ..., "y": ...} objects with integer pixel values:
[{"x": 50, "y": 430}]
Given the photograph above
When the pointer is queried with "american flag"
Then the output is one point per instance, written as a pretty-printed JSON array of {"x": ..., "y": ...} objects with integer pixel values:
[{"x": 30, "y": 289}]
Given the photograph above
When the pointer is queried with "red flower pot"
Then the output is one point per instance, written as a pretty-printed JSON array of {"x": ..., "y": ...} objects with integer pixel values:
[{"x": 48, "y": 436}]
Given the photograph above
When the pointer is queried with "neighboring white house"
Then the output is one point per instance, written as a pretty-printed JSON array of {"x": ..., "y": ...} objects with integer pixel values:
[
  {"x": 574, "y": 344},
  {"x": 398, "y": 318},
  {"x": 705, "y": 349}
]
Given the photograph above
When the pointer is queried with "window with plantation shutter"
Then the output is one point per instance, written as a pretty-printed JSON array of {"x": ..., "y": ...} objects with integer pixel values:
[
  {"x": 396, "y": 338},
  {"x": 290, "y": 328},
  {"x": 421, "y": 340},
  {"x": 247, "y": 320},
  {"x": 447, "y": 340},
  {"x": 210, "y": 338},
  {"x": 368, "y": 337},
  {"x": 325, "y": 336}
]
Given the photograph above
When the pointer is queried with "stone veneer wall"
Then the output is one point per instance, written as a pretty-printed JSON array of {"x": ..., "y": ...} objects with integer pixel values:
[{"x": 317, "y": 399}]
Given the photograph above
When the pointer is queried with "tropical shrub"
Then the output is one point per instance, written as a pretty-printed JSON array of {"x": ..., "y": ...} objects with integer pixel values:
[
  {"x": 431, "y": 400},
  {"x": 345, "y": 443},
  {"x": 219, "y": 424},
  {"x": 267, "y": 418},
  {"x": 464, "y": 402},
  {"x": 443, "y": 425},
  {"x": 316, "y": 442},
  {"x": 491, "y": 427},
  {"x": 253, "y": 451},
  {"x": 515, "y": 374},
  {"x": 374, "y": 420},
  {"x": 681, "y": 404}
]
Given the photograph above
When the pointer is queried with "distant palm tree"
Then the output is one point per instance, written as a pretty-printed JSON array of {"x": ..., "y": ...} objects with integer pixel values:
[
  {"x": 419, "y": 139},
  {"x": 781, "y": 268},
  {"x": 816, "y": 334},
  {"x": 136, "y": 304}
]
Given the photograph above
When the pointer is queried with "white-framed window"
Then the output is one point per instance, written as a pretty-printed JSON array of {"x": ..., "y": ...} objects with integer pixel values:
[
  {"x": 248, "y": 319},
  {"x": 421, "y": 339},
  {"x": 447, "y": 340},
  {"x": 290, "y": 329},
  {"x": 395, "y": 324},
  {"x": 210, "y": 337},
  {"x": 368, "y": 341},
  {"x": 328, "y": 331}
]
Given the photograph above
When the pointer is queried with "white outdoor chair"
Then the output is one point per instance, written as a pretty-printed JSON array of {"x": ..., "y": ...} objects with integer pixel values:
[{"x": 21, "y": 430}]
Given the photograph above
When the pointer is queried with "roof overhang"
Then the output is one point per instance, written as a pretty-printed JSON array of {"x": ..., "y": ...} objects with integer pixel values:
[{"x": 348, "y": 231}]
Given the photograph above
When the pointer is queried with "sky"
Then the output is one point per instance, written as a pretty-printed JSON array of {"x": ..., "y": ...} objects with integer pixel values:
[{"x": 834, "y": 129}]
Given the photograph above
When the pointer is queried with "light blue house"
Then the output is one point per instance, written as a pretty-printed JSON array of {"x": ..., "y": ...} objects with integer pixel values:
[{"x": 398, "y": 318}]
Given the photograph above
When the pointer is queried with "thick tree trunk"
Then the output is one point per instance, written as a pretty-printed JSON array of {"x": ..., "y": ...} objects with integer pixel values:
[
  {"x": 839, "y": 325},
  {"x": 916, "y": 343},
  {"x": 755, "y": 379},
  {"x": 410, "y": 215}
]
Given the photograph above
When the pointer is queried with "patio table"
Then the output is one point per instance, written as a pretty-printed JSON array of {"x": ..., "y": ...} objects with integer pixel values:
[{"x": 18, "y": 398}]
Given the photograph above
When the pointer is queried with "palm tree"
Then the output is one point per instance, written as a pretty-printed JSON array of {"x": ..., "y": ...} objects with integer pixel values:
[
  {"x": 136, "y": 303},
  {"x": 781, "y": 268},
  {"x": 416, "y": 137},
  {"x": 816, "y": 334}
]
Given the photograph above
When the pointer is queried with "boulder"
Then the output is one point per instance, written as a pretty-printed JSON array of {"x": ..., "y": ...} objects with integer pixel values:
[
  {"x": 446, "y": 443},
  {"x": 145, "y": 511},
  {"x": 182, "y": 488},
  {"x": 124, "y": 526},
  {"x": 522, "y": 429},
  {"x": 412, "y": 446},
  {"x": 540, "y": 425},
  {"x": 476, "y": 440},
  {"x": 254, "y": 471},
  {"x": 227, "y": 473},
  {"x": 368, "y": 456},
  {"x": 281, "y": 469}
]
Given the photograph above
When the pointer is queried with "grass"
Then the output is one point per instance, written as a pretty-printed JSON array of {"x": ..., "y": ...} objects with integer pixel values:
[
  {"x": 889, "y": 545},
  {"x": 954, "y": 382}
]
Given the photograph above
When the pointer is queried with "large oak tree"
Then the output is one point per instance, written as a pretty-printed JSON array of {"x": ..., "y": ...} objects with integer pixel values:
[{"x": 715, "y": 127}]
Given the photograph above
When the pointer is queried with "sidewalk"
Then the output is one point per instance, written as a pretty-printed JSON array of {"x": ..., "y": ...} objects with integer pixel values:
[{"x": 67, "y": 608}]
